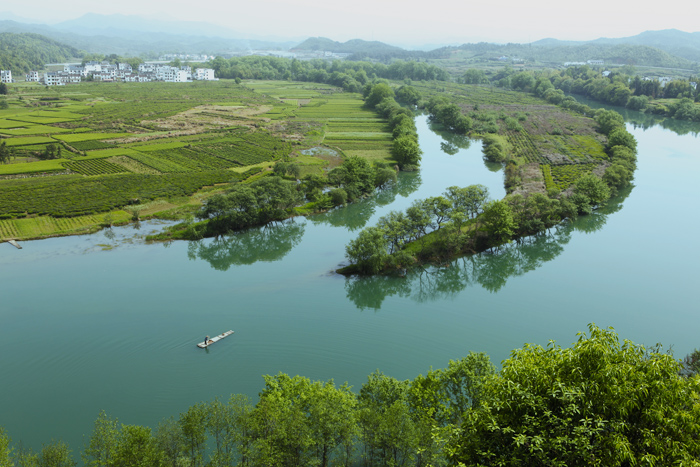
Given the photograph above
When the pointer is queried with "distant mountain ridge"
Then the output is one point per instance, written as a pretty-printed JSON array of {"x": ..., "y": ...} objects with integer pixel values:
[
  {"x": 351, "y": 47},
  {"x": 682, "y": 44},
  {"x": 140, "y": 36}
]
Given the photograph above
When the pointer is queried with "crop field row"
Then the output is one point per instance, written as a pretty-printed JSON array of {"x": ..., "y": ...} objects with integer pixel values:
[
  {"x": 54, "y": 165},
  {"x": 91, "y": 145},
  {"x": 28, "y": 140},
  {"x": 160, "y": 146},
  {"x": 157, "y": 163},
  {"x": 80, "y": 137},
  {"x": 41, "y": 120},
  {"x": 93, "y": 167},
  {"x": 359, "y": 135},
  {"x": 33, "y": 227},
  {"x": 6, "y": 124},
  {"x": 33, "y": 130},
  {"x": 75, "y": 195},
  {"x": 188, "y": 159},
  {"x": 563, "y": 176},
  {"x": 523, "y": 147}
]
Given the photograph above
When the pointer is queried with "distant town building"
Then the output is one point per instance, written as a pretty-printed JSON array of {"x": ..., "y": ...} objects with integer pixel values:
[
  {"x": 6, "y": 76},
  {"x": 32, "y": 76},
  {"x": 206, "y": 74},
  {"x": 574, "y": 63},
  {"x": 595, "y": 62}
]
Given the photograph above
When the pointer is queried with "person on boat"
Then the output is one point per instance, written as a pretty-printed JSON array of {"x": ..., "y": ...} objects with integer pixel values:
[{"x": 206, "y": 340}]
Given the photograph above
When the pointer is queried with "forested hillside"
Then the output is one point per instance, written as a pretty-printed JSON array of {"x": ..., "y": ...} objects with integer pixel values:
[{"x": 24, "y": 52}]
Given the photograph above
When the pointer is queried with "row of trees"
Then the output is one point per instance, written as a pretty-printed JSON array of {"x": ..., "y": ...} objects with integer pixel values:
[
  {"x": 599, "y": 402},
  {"x": 380, "y": 97},
  {"x": 618, "y": 88},
  {"x": 273, "y": 198},
  {"x": 381, "y": 247},
  {"x": 351, "y": 76}
]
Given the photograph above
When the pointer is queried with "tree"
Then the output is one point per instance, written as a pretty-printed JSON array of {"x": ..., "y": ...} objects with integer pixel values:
[
  {"x": 474, "y": 76},
  {"x": 621, "y": 137},
  {"x": 497, "y": 220},
  {"x": 691, "y": 364},
  {"x": 387, "y": 430},
  {"x": 593, "y": 188},
  {"x": 378, "y": 93},
  {"x": 468, "y": 200},
  {"x": 137, "y": 448},
  {"x": 408, "y": 95},
  {"x": 194, "y": 432},
  {"x": 5, "y": 153},
  {"x": 169, "y": 440},
  {"x": 102, "y": 446},
  {"x": 5, "y": 450},
  {"x": 56, "y": 454},
  {"x": 608, "y": 120},
  {"x": 3, "y": 88},
  {"x": 406, "y": 151},
  {"x": 496, "y": 148},
  {"x": 600, "y": 402},
  {"x": 368, "y": 250}
]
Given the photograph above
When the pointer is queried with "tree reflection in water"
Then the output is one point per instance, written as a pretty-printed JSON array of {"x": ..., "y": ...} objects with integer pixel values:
[
  {"x": 270, "y": 243},
  {"x": 491, "y": 269}
]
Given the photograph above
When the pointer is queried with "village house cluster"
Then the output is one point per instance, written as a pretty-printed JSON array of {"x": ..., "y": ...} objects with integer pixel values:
[{"x": 105, "y": 71}]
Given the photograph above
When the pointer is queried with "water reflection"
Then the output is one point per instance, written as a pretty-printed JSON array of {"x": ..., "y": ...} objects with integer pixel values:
[
  {"x": 451, "y": 143},
  {"x": 490, "y": 270},
  {"x": 356, "y": 215},
  {"x": 269, "y": 243},
  {"x": 645, "y": 121}
]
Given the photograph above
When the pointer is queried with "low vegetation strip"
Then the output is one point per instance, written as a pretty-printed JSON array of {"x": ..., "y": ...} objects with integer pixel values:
[
  {"x": 55, "y": 165},
  {"x": 77, "y": 195},
  {"x": 72, "y": 138}
]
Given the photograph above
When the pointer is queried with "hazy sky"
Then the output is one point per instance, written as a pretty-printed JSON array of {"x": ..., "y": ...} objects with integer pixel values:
[{"x": 399, "y": 21}]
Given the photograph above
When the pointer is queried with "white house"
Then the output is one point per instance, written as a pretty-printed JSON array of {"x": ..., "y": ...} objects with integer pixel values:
[
  {"x": 596, "y": 62},
  {"x": 54, "y": 78},
  {"x": 6, "y": 76},
  {"x": 32, "y": 76},
  {"x": 206, "y": 74}
]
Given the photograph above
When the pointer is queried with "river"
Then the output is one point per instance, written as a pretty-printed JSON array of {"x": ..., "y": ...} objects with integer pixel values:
[{"x": 106, "y": 321}]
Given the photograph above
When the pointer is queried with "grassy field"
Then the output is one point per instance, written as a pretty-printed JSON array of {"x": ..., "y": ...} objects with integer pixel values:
[{"x": 126, "y": 145}]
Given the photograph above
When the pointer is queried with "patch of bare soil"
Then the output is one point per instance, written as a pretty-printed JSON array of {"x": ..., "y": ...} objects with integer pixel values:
[
  {"x": 209, "y": 117},
  {"x": 532, "y": 180}
]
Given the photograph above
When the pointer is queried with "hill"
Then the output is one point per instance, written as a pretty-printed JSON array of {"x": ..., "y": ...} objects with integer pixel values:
[
  {"x": 134, "y": 36},
  {"x": 679, "y": 43},
  {"x": 554, "y": 55},
  {"x": 354, "y": 46},
  {"x": 24, "y": 52}
]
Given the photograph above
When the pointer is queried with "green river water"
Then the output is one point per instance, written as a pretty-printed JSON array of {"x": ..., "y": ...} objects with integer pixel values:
[{"x": 106, "y": 321}]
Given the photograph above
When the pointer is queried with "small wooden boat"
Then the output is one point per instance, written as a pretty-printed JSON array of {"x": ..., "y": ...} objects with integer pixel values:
[{"x": 204, "y": 345}]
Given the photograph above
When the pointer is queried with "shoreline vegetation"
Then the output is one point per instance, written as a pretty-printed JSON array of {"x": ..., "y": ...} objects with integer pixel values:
[
  {"x": 225, "y": 139},
  {"x": 465, "y": 221},
  {"x": 601, "y": 400}
]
